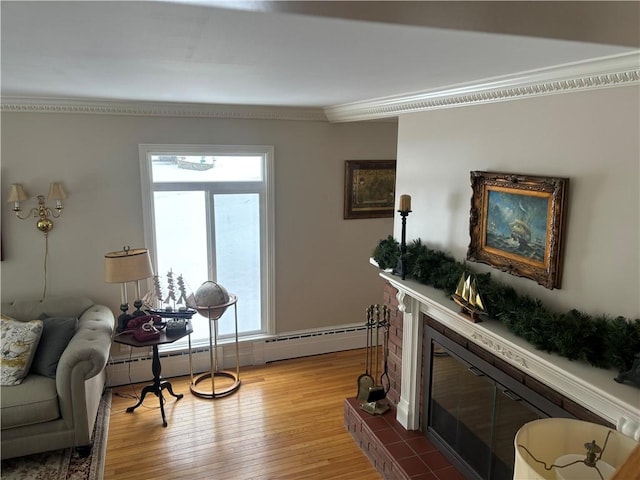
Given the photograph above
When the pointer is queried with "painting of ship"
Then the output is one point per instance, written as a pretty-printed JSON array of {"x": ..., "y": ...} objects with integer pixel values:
[
  {"x": 517, "y": 225},
  {"x": 194, "y": 163},
  {"x": 520, "y": 231},
  {"x": 469, "y": 299}
]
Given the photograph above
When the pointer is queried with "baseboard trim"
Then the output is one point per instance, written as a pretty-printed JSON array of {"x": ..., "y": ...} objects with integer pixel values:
[{"x": 136, "y": 369}]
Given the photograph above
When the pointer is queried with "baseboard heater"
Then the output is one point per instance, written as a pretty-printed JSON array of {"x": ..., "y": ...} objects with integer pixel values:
[{"x": 136, "y": 369}]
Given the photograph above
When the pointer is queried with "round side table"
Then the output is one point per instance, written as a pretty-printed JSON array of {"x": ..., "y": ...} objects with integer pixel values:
[{"x": 214, "y": 313}]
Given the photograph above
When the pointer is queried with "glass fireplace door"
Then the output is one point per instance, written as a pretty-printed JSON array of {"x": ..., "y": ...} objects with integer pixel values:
[{"x": 473, "y": 415}]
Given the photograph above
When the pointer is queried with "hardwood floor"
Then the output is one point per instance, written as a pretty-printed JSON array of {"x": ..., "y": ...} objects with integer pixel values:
[{"x": 285, "y": 422}]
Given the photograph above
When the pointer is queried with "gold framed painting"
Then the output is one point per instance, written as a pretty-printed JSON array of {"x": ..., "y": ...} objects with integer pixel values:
[
  {"x": 369, "y": 188},
  {"x": 516, "y": 224}
]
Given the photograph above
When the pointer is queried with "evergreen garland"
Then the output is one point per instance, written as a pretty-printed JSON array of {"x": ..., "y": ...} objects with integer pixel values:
[{"x": 601, "y": 341}]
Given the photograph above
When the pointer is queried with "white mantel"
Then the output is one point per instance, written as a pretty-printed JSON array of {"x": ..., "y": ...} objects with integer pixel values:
[{"x": 591, "y": 387}]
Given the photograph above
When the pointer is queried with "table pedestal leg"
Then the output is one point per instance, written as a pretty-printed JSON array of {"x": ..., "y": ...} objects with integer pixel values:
[{"x": 157, "y": 386}]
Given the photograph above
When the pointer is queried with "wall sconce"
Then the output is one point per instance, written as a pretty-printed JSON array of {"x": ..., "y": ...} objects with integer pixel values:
[{"x": 43, "y": 213}]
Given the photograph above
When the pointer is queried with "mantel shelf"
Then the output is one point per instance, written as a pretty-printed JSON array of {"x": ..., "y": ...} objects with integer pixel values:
[{"x": 593, "y": 388}]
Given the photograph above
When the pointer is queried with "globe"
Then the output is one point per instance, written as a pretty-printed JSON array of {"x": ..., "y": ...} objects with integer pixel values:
[{"x": 211, "y": 300}]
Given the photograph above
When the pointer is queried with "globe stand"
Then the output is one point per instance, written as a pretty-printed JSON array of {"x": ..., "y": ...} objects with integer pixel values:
[{"x": 214, "y": 313}]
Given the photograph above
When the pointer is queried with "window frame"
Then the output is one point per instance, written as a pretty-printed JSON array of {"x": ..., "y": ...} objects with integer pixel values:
[{"x": 267, "y": 211}]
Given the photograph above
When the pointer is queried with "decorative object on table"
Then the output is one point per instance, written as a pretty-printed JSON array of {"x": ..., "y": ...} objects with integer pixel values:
[
  {"x": 632, "y": 375},
  {"x": 468, "y": 297},
  {"x": 174, "y": 326},
  {"x": 154, "y": 300},
  {"x": 516, "y": 224},
  {"x": 211, "y": 300},
  {"x": 182, "y": 299},
  {"x": 404, "y": 210},
  {"x": 145, "y": 328},
  {"x": 170, "y": 301},
  {"x": 126, "y": 266},
  {"x": 569, "y": 449},
  {"x": 42, "y": 212},
  {"x": 369, "y": 188},
  {"x": 371, "y": 390}
]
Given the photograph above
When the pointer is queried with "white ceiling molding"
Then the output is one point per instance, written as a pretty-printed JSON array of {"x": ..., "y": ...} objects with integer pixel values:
[
  {"x": 614, "y": 71},
  {"x": 159, "y": 109}
]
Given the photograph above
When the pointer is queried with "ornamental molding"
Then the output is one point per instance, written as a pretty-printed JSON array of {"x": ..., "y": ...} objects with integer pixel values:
[
  {"x": 499, "y": 349},
  {"x": 159, "y": 109},
  {"x": 607, "y": 72}
]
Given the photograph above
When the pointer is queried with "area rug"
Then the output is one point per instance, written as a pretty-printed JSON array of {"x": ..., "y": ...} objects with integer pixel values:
[{"x": 65, "y": 464}]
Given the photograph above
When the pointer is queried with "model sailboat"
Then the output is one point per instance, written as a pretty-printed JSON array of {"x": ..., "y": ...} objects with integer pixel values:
[{"x": 468, "y": 297}]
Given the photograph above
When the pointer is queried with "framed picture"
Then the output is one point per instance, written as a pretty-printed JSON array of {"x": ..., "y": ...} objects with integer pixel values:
[
  {"x": 369, "y": 188},
  {"x": 516, "y": 224}
]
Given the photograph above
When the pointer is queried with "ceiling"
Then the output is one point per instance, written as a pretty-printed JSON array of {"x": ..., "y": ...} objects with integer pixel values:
[{"x": 300, "y": 54}]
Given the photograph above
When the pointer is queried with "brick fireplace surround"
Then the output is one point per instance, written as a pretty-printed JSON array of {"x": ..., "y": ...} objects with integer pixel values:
[{"x": 395, "y": 443}]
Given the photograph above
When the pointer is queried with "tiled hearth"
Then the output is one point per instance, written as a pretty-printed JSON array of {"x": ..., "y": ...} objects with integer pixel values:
[{"x": 398, "y": 454}]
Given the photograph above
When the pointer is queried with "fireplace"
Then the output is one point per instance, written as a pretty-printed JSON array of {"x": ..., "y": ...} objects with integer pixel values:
[
  {"x": 550, "y": 385},
  {"x": 473, "y": 409}
]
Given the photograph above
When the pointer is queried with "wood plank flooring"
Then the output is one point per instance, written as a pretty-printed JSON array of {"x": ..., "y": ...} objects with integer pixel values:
[{"x": 285, "y": 422}]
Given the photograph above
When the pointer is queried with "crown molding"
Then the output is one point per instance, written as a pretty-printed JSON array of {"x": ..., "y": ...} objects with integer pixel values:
[
  {"x": 606, "y": 72},
  {"x": 159, "y": 109}
]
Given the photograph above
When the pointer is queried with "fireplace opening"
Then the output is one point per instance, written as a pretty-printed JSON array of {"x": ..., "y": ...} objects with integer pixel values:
[{"x": 472, "y": 409}]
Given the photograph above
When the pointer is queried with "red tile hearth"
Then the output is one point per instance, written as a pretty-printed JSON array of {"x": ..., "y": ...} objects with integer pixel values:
[{"x": 398, "y": 454}]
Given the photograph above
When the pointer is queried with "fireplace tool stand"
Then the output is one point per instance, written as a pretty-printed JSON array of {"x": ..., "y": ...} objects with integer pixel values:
[{"x": 371, "y": 390}]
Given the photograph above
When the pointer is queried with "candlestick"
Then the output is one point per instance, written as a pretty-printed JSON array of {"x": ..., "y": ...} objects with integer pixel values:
[
  {"x": 400, "y": 266},
  {"x": 405, "y": 203}
]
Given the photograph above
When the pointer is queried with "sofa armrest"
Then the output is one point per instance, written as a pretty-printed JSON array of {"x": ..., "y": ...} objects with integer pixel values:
[
  {"x": 90, "y": 345},
  {"x": 85, "y": 357}
]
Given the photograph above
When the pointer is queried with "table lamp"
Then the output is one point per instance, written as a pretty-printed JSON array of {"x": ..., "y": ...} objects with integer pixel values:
[
  {"x": 569, "y": 449},
  {"x": 127, "y": 265}
]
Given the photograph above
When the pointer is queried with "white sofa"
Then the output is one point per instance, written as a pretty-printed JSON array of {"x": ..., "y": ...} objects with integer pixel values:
[{"x": 71, "y": 399}]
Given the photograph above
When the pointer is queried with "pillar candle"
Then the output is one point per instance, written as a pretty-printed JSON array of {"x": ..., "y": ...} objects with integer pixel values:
[{"x": 405, "y": 203}]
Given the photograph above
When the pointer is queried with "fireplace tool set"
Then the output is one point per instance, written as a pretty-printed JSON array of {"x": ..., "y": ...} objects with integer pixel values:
[{"x": 371, "y": 390}]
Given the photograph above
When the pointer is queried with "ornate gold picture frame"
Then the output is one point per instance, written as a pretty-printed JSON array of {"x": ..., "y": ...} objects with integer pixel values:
[
  {"x": 516, "y": 224},
  {"x": 369, "y": 188}
]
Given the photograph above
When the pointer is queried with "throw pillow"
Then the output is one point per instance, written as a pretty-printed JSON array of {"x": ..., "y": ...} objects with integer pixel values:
[
  {"x": 56, "y": 335},
  {"x": 19, "y": 343}
]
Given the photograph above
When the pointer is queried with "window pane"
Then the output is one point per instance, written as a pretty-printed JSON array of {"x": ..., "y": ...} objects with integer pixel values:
[
  {"x": 181, "y": 238},
  {"x": 206, "y": 168},
  {"x": 237, "y": 239}
]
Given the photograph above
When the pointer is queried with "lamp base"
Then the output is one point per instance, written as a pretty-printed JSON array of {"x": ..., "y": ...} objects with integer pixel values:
[
  {"x": 123, "y": 318},
  {"x": 137, "y": 312}
]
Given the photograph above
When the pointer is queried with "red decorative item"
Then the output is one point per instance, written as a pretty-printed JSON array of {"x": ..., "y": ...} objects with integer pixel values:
[{"x": 146, "y": 331}]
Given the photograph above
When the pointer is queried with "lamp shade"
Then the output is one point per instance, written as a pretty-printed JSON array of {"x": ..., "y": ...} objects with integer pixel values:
[
  {"x": 561, "y": 441},
  {"x": 127, "y": 265},
  {"x": 17, "y": 193},
  {"x": 56, "y": 192}
]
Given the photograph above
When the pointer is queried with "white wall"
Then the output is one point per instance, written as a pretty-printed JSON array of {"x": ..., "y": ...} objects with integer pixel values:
[
  {"x": 591, "y": 137},
  {"x": 322, "y": 273}
]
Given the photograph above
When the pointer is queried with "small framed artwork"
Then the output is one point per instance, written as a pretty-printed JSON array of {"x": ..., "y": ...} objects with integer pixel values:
[
  {"x": 369, "y": 188},
  {"x": 516, "y": 224}
]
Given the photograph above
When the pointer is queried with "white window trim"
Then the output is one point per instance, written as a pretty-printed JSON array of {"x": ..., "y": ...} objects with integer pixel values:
[{"x": 268, "y": 262}]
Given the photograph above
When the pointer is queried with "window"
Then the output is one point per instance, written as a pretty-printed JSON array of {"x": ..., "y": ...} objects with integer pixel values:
[{"x": 208, "y": 215}]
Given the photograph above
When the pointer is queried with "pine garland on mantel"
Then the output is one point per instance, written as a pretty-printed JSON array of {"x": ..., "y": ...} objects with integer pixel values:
[{"x": 601, "y": 341}]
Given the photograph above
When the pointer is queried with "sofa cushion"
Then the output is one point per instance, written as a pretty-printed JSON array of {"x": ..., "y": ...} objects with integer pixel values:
[
  {"x": 19, "y": 344},
  {"x": 33, "y": 401},
  {"x": 56, "y": 334}
]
